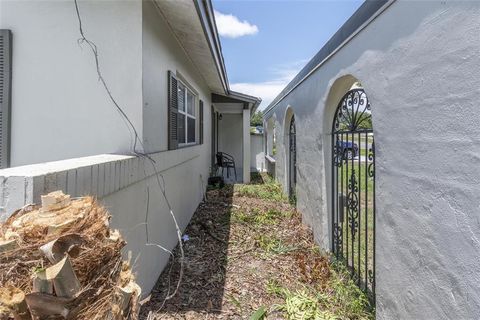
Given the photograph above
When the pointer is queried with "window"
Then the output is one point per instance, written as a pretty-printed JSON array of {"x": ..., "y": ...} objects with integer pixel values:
[
  {"x": 182, "y": 114},
  {"x": 186, "y": 115}
]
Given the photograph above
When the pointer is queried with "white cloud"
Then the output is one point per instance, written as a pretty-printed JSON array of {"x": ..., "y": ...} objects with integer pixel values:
[
  {"x": 268, "y": 90},
  {"x": 230, "y": 26}
]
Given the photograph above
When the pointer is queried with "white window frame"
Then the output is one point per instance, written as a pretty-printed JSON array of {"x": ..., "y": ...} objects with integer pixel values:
[{"x": 187, "y": 115}]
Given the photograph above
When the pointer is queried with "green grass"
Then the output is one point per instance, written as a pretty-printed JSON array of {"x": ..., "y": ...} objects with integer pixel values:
[
  {"x": 268, "y": 190},
  {"x": 272, "y": 245},
  {"x": 340, "y": 299},
  {"x": 257, "y": 217},
  {"x": 334, "y": 297},
  {"x": 363, "y": 246}
]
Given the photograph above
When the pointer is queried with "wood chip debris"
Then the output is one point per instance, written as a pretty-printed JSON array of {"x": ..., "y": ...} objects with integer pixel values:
[{"x": 61, "y": 260}]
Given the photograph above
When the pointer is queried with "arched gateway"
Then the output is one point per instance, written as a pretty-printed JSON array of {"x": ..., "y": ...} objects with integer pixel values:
[{"x": 353, "y": 188}]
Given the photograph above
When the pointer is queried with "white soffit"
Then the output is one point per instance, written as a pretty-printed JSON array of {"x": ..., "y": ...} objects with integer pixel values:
[
  {"x": 227, "y": 108},
  {"x": 185, "y": 23}
]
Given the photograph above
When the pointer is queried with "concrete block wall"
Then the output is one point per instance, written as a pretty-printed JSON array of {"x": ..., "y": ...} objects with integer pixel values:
[
  {"x": 99, "y": 175},
  {"x": 128, "y": 187}
]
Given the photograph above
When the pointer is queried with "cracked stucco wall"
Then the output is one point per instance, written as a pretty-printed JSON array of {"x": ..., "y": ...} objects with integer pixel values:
[
  {"x": 54, "y": 77},
  {"x": 419, "y": 63}
]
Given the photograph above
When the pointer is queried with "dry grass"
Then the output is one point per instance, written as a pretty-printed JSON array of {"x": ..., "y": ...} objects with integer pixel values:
[{"x": 249, "y": 250}]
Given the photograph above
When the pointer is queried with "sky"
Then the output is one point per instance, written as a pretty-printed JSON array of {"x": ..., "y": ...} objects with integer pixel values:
[{"x": 266, "y": 43}]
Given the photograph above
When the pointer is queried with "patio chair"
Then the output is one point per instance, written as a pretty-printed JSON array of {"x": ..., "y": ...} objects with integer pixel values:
[{"x": 224, "y": 160}]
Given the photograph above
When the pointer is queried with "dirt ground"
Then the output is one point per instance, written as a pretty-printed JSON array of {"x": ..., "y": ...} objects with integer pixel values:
[{"x": 244, "y": 244}]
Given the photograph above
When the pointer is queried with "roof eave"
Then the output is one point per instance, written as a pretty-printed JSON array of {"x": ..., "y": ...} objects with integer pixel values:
[
  {"x": 253, "y": 101},
  {"x": 364, "y": 15},
  {"x": 249, "y": 102},
  {"x": 207, "y": 19}
]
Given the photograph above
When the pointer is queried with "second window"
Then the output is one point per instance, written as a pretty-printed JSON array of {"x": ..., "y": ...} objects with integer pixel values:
[{"x": 186, "y": 115}]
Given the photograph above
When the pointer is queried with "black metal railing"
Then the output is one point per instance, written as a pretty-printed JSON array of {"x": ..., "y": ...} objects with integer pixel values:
[
  {"x": 292, "y": 171},
  {"x": 353, "y": 189}
]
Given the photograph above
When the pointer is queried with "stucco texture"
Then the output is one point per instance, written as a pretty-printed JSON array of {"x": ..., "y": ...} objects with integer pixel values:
[
  {"x": 419, "y": 63},
  {"x": 59, "y": 108},
  {"x": 162, "y": 53},
  {"x": 230, "y": 139}
]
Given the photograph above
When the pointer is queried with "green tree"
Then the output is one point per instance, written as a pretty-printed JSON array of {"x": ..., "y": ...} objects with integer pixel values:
[
  {"x": 366, "y": 123},
  {"x": 257, "y": 119}
]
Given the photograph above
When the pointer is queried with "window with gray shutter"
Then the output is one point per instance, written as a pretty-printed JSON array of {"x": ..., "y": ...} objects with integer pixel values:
[
  {"x": 201, "y": 121},
  {"x": 172, "y": 111},
  {"x": 5, "y": 95}
]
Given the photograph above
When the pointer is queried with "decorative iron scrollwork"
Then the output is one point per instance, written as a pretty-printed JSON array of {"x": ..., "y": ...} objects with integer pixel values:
[
  {"x": 371, "y": 157},
  {"x": 353, "y": 112},
  {"x": 337, "y": 156},
  {"x": 337, "y": 236},
  {"x": 352, "y": 204},
  {"x": 353, "y": 189},
  {"x": 371, "y": 277}
]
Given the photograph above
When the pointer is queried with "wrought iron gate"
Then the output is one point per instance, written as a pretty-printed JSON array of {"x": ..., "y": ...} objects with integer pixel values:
[
  {"x": 292, "y": 166},
  {"x": 353, "y": 189}
]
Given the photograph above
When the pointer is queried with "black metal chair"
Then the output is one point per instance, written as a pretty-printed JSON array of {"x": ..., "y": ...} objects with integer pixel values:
[{"x": 224, "y": 160}]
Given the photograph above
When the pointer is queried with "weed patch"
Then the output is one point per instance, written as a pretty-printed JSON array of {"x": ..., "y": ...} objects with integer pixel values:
[
  {"x": 268, "y": 190},
  {"x": 266, "y": 265},
  {"x": 272, "y": 245},
  {"x": 258, "y": 217},
  {"x": 325, "y": 292}
]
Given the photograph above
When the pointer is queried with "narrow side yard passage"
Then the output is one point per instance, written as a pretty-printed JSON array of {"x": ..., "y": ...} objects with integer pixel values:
[{"x": 248, "y": 256}]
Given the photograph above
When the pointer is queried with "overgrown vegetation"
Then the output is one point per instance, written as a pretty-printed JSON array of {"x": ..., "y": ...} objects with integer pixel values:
[
  {"x": 337, "y": 298},
  {"x": 325, "y": 289},
  {"x": 250, "y": 257},
  {"x": 262, "y": 187}
]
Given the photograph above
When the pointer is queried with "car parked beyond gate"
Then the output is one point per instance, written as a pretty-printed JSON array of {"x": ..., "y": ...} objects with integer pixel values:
[{"x": 347, "y": 149}]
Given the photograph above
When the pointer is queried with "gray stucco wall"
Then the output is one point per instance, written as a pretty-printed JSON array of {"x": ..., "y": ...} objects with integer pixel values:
[
  {"x": 257, "y": 153},
  {"x": 419, "y": 63},
  {"x": 230, "y": 138},
  {"x": 162, "y": 53},
  {"x": 59, "y": 108}
]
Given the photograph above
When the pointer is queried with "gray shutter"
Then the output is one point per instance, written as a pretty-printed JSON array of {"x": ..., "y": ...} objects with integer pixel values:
[
  {"x": 172, "y": 111},
  {"x": 5, "y": 95},
  {"x": 201, "y": 121}
]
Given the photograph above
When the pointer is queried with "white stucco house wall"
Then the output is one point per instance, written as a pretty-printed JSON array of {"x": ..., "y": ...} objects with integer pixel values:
[
  {"x": 419, "y": 64},
  {"x": 257, "y": 152},
  {"x": 163, "y": 65}
]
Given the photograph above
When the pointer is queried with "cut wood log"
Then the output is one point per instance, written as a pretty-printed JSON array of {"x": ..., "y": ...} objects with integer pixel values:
[
  {"x": 126, "y": 293},
  {"x": 46, "y": 305},
  {"x": 55, "y": 200},
  {"x": 57, "y": 214},
  {"x": 41, "y": 284},
  {"x": 60, "y": 227},
  {"x": 56, "y": 250},
  {"x": 65, "y": 282},
  {"x": 14, "y": 299}
]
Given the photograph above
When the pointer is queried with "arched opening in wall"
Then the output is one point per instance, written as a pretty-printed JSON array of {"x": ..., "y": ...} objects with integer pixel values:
[
  {"x": 270, "y": 145},
  {"x": 292, "y": 162},
  {"x": 353, "y": 187}
]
